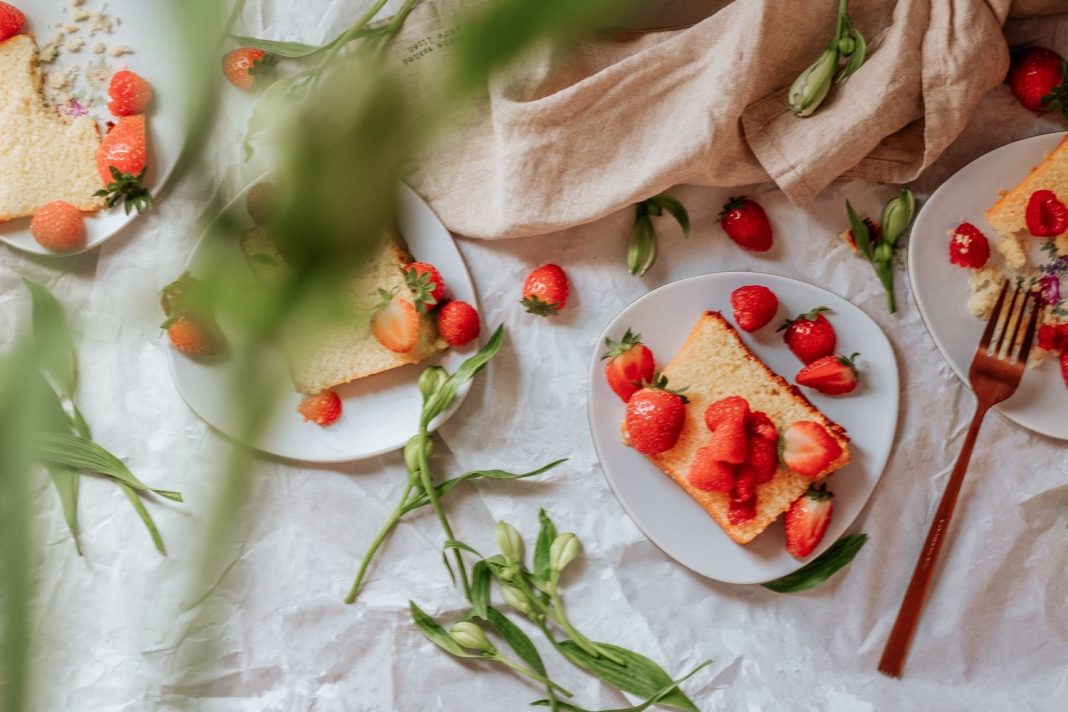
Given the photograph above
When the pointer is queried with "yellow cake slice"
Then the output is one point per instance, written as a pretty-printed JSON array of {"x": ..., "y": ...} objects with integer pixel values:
[
  {"x": 1009, "y": 214},
  {"x": 715, "y": 364},
  {"x": 42, "y": 157},
  {"x": 340, "y": 352}
]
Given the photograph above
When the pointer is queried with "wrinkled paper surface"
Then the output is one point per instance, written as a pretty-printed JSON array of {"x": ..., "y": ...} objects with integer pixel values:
[{"x": 118, "y": 629}]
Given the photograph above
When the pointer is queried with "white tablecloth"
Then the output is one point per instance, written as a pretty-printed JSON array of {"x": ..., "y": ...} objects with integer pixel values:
[{"x": 117, "y": 629}]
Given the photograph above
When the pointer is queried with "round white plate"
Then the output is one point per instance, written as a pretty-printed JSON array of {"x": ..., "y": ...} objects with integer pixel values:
[
  {"x": 147, "y": 27},
  {"x": 660, "y": 508},
  {"x": 379, "y": 413},
  {"x": 941, "y": 288}
]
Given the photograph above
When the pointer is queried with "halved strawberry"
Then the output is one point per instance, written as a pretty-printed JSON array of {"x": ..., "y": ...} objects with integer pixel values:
[
  {"x": 726, "y": 419},
  {"x": 323, "y": 408},
  {"x": 761, "y": 461},
  {"x": 740, "y": 512},
  {"x": 1046, "y": 215},
  {"x": 758, "y": 424},
  {"x": 630, "y": 364},
  {"x": 808, "y": 449},
  {"x": 395, "y": 323},
  {"x": 833, "y": 375},
  {"x": 806, "y": 521},
  {"x": 709, "y": 474}
]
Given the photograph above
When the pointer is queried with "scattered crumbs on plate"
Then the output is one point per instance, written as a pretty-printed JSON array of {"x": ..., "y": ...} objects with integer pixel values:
[
  {"x": 117, "y": 50},
  {"x": 79, "y": 14},
  {"x": 76, "y": 84},
  {"x": 74, "y": 44},
  {"x": 99, "y": 48}
]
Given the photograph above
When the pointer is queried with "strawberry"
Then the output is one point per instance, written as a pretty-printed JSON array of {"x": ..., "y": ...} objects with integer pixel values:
[
  {"x": 58, "y": 226},
  {"x": 761, "y": 461},
  {"x": 1053, "y": 337},
  {"x": 1046, "y": 215},
  {"x": 968, "y": 247},
  {"x": 120, "y": 161},
  {"x": 740, "y": 512},
  {"x": 833, "y": 375},
  {"x": 754, "y": 306},
  {"x": 744, "y": 488},
  {"x": 261, "y": 201},
  {"x": 247, "y": 67},
  {"x": 808, "y": 449},
  {"x": 655, "y": 416},
  {"x": 758, "y": 424},
  {"x": 810, "y": 336},
  {"x": 545, "y": 290},
  {"x": 630, "y": 364},
  {"x": 187, "y": 294},
  {"x": 807, "y": 519},
  {"x": 732, "y": 409},
  {"x": 709, "y": 474},
  {"x": 323, "y": 408},
  {"x": 426, "y": 284},
  {"x": 130, "y": 94},
  {"x": 1037, "y": 78},
  {"x": 728, "y": 442},
  {"x": 1064, "y": 367},
  {"x": 458, "y": 323},
  {"x": 11, "y": 21},
  {"x": 395, "y": 323},
  {"x": 746, "y": 223},
  {"x": 195, "y": 336}
]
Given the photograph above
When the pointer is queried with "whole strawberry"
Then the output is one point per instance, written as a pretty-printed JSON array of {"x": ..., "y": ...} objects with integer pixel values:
[
  {"x": 58, "y": 226},
  {"x": 1053, "y": 337},
  {"x": 248, "y": 68},
  {"x": 130, "y": 94},
  {"x": 629, "y": 366},
  {"x": 1064, "y": 367},
  {"x": 545, "y": 290},
  {"x": 120, "y": 161},
  {"x": 810, "y": 336},
  {"x": 1046, "y": 215},
  {"x": 323, "y": 408},
  {"x": 458, "y": 323},
  {"x": 754, "y": 306},
  {"x": 426, "y": 284},
  {"x": 806, "y": 521},
  {"x": 655, "y": 416},
  {"x": 968, "y": 247},
  {"x": 746, "y": 223},
  {"x": 11, "y": 21},
  {"x": 194, "y": 335},
  {"x": 832, "y": 375},
  {"x": 1037, "y": 78}
]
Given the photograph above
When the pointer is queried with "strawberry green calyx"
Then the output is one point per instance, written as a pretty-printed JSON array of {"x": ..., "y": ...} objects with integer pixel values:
[
  {"x": 422, "y": 287},
  {"x": 732, "y": 204},
  {"x": 1058, "y": 96},
  {"x": 819, "y": 494},
  {"x": 127, "y": 188},
  {"x": 807, "y": 316},
  {"x": 849, "y": 361},
  {"x": 660, "y": 383},
  {"x": 618, "y": 348},
  {"x": 539, "y": 307}
]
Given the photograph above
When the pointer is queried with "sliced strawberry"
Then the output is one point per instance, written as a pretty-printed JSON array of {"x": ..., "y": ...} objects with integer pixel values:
[
  {"x": 833, "y": 375},
  {"x": 762, "y": 460},
  {"x": 758, "y": 424},
  {"x": 754, "y": 306},
  {"x": 630, "y": 364},
  {"x": 1064, "y": 367},
  {"x": 728, "y": 442},
  {"x": 729, "y": 409},
  {"x": 1053, "y": 337},
  {"x": 1046, "y": 215},
  {"x": 808, "y": 449},
  {"x": 396, "y": 323},
  {"x": 323, "y": 408},
  {"x": 806, "y": 521},
  {"x": 744, "y": 487},
  {"x": 740, "y": 512},
  {"x": 709, "y": 474}
]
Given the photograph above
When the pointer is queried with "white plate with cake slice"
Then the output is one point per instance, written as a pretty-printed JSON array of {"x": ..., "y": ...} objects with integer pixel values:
[
  {"x": 942, "y": 289},
  {"x": 379, "y": 412},
  {"x": 665, "y": 512},
  {"x": 98, "y": 39}
]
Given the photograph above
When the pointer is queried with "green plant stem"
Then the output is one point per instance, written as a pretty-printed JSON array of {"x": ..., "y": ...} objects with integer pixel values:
[
  {"x": 582, "y": 641},
  {"x": 432, "y": 496},
  {"x": 394, "y": 26},
  {"x": 531, "y": 674},
  {"x": 387, "y": 527},
  {"x": 350, "y": 34},
  {"x": 886, "y": 276}
]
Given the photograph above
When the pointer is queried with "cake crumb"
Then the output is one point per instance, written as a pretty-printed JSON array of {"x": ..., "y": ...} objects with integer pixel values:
[
  {"x": 79, "y": 14},
  {"x": 74, "y": 44},
  {"x": 117, "y": 50},
  {"x": 99, "y": 48},
  {"x": 985, "y": 287},
  {"x": 1012, "y": 251}
]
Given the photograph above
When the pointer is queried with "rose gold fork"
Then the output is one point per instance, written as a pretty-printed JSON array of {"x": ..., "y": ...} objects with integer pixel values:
[{"x": 994, "y": 377}]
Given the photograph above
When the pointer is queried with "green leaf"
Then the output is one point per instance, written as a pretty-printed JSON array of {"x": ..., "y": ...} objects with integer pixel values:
[
  {"x": 821, "y": 568},
  {"x": 455, "y": 544},
  {"x": 436, "y": 634},
  {"x": 481, "y": 578},
  {"x": 56, "y": 346},
  {"x": 642, "y": 247},
  {"x": 264, "y": 259},
  {"x": 659, "y": 697},
  {"x": 139, "y": 507},
  {"x": 516, "y": 639},
  {"x": 66, "y": 482},
  {"x": 546, "y": 536},
  {"x": 441, "y": 398},
  {"x": 446, "y": 486},
  {"x": 860, "y": 232},
  {"x": 638, "y": 675},
  {"x": 677, "y": 210},
  {"x": 281, "y": 48},
  {"x": 83, "y": 454}
]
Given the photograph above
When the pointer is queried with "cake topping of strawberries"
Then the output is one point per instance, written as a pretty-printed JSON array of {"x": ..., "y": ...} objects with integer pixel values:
[
  {"x": 833, "y": 375},
  {"x": 1064, "y": 366},
  {"x": 731, "y": 408},
  {"x": 726, "y": 419},
  {"x": 754, "y": 306},
  {"x": 747, "y": 224},
  {"x": 395, "y": 323},
  {"x": 11, "y": 21},
  {"x": 968, "y": 247},
  {"x": 808, "y": 449},
  {"x": 629, "y": 366},
  {"x": 807, "y": 519},
  {"x": 323, "y": 408},
  {"x": 545, "y": 290},
  {"x": 426, "y": 284},
  {"x": 248, "y": 68},
  {"x": 1046, "y": 216},
  {"x": 655, "y": 417},
  {"x": 758, "y": 424},
  {"x": 762, "y": 459},
  {"x": 740, "y": 512},
  {"x": 810, "y": 336},
  {"x": 458, "y": 323},
  {"x": 129, "y": 92},
  {"x": 709, "y": 474},
  {"x": 1053, "y": 337}
]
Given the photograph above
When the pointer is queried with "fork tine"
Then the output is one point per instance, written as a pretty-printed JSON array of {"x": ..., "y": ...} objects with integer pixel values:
[
  {"x": 995, "y": 316},
  {"x": 1021, "y": 316},
  {"x": 1029, "y": 335},
  {"x": 1009, "y": 314}
]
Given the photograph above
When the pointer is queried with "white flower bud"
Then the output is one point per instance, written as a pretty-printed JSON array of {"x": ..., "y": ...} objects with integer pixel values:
[
  {"x": 470, "y": 636},
  {"x": 811, "y": 86},
  {"x": 509, "y": 541},
  {"x": 515, "y": 598},
  {"x": 564, "y": 549}
]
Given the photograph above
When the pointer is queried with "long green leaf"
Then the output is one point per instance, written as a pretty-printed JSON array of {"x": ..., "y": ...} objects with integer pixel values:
[
  {"x": 821, "y": 568},
  {"x": 522, "y": 645},
  {"x": 677, "y": 210},
  {"x": 443, "y": 396},
  {"x": 84, "y": 454},
  {"x": 860, "y": 232},
  {"x": 638, "y": 675},
  {"x": 281, "y": 48},
  {"x": 546, "y": 536},
  {"x": 56, "y": 346},
  {"x": 481, "y": 578},
  {"x": 659, "y": 697},
  {"x": 446, "y": 486},
  {"x": 66, "y": 482},
  {"x": 139, "y": 507}
]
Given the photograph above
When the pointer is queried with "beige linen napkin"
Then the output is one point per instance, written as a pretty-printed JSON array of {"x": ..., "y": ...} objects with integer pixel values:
[{"x": 571, "y": 134}]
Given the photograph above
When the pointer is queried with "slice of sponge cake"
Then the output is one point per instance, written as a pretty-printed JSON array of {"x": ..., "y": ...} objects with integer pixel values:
[
  {"x": 42, "y": 157},
  {"x": 714, "y": 364},
  {"x": 340, "y": 352}
]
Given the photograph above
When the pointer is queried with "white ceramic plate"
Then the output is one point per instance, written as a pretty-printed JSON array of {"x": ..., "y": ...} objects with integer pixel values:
[
  {"x": 941, "y": 288},
  {"x": 379, "y": 413},
  {"x": 667, "y": 515},
  {"x": 147, "y": 27}
]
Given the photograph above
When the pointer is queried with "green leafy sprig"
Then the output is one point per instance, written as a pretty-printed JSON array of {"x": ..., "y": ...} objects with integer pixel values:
[
  {"x": 844, "y": 55},
  {"x": 878, "y": 247},
  {"x": 821, "y": 568},
  {"x": 642, "y": 248}
]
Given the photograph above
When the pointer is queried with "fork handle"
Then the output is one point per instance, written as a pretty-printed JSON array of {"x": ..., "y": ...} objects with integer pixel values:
[{"x": 908, "y": 617}]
